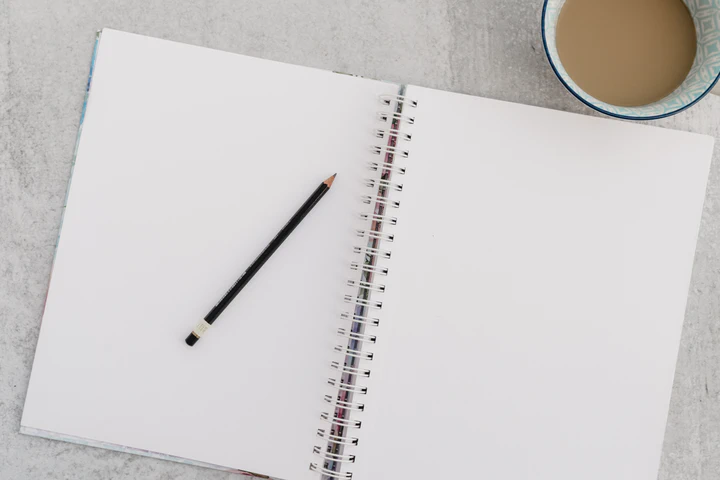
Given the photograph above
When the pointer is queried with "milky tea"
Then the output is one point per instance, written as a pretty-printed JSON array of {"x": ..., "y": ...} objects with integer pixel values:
[{"x": 626, "y": 52}]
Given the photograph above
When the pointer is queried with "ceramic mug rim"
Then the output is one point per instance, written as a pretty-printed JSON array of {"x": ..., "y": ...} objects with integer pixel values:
[{"x": 600, "y": 109}]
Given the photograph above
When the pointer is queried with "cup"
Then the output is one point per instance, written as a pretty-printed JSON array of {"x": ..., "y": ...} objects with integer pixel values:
[{"x": 702, "y": 77}]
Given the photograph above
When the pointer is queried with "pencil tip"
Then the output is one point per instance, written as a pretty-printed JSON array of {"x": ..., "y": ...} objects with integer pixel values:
[{"x": 330, "y": 180}]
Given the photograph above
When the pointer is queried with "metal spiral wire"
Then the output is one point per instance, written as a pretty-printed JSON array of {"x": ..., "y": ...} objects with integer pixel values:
[{"x": 337, "y": 437}]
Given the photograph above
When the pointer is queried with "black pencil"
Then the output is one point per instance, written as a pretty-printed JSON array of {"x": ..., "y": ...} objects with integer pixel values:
[{"x": 240, "y": 283}]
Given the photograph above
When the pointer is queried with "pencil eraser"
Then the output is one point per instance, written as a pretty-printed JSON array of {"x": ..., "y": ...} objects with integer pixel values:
[{"x": 191, "y": 339}]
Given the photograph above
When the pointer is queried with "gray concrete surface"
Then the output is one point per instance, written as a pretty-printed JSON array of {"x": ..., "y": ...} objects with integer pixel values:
[{"x": 479, "y": 47}]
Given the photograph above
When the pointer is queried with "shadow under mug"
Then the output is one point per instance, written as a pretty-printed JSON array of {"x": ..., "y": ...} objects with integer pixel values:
[{"x": 703, "y": 75}]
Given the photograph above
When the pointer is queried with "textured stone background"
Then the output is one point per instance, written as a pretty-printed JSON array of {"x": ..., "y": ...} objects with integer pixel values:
[{"x": 480, "y": 47}]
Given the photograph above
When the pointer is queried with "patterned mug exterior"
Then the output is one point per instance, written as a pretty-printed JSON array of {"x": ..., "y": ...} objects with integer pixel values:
[{"x": 703, "y": 75}]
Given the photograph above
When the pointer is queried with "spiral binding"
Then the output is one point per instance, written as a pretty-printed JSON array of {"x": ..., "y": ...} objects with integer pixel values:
[
  {"x": 379, "y": 218},
  {"x": 322, "y": 433},
  {"x": 382, "y": 133},
  {"x": 359, "y": 318},
  {"x": 356, "y": 336},
  {"x": 379, "y": 201},
  {"x": 372, "y": 182},
  {"x": 391, "y": 150},
  {"x": 362, "y": 372},
  {"x": 367, "y": 286},
  {"x": 375, "y": 166}
]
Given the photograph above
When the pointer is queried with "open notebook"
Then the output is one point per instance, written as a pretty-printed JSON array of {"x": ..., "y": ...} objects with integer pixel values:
[{"x": 490, "y": 290}]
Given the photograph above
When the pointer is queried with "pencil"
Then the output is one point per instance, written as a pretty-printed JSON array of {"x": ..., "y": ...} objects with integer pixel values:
[{"x": 256, "y": 265}]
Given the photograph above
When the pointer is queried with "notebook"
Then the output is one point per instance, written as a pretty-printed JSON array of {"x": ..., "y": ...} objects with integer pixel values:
[{"x": 489, "y": 290}]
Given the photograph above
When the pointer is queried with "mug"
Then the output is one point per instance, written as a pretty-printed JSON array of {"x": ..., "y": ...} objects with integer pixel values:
[{"x": 703, "y": 75}]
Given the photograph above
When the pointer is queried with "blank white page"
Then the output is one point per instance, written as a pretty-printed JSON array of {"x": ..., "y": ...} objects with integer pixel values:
[
  {"x": 533, "y": 312},
  {"x": 189, "y": 162}
]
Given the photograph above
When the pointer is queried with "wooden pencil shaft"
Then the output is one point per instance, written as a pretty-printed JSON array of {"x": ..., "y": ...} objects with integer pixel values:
[{"x": 258, "y": 263}]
